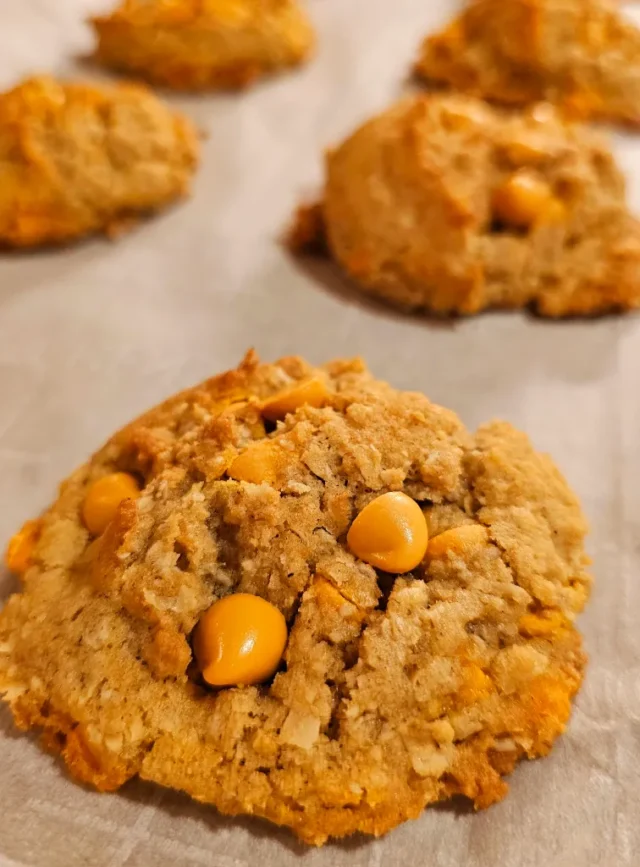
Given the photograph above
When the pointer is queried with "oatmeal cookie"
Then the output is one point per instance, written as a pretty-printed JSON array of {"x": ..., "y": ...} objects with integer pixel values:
[
  {"x": 77, "y": 159},
  {"x": 445, "y": 204},
  {"x": 204, "y": 44},
  {"x": 419, "y": 582},
  {"x": 583, "y": 55}
]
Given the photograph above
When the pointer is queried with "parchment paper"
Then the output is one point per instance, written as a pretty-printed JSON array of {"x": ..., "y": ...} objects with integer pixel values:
[{"x": 92, "y": 335}]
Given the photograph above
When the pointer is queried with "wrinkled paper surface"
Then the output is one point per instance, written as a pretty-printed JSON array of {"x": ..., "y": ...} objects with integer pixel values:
[{"x": 92, "y": 335}]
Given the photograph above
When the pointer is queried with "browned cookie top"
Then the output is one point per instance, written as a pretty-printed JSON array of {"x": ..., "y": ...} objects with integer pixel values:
[{"x": 395, "y": 690}]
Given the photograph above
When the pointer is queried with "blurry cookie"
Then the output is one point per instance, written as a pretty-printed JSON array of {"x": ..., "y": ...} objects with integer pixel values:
[
  {"x": 297, "y": 593},
  {"x": 445, "y": 204},
  {"x": 77, "y": 159},
  {"x": 581, "y": 54},
  {"x": 203, "y": 44}
]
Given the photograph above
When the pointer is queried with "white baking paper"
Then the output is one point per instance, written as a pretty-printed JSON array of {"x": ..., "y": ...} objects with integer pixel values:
[{"x": 92, "y": 335}]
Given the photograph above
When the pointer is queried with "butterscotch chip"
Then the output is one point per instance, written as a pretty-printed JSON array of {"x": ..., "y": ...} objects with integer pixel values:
[
  {"x": 542, "y": 625},
  {"x": 77, "y": 159},
  {"x": 524, "y": 200},
  {"x": 311, "y": 392},
  {"x": 393, "y": 692},
  {"x": 196, "y": 45},
  {"x": 583, "y": 55},
  {"x": 19, "y": 551},
  {"x": 262, "y": 462},
  {"x": 447, "y": 205},
  {"x": 457, "y": 541}
]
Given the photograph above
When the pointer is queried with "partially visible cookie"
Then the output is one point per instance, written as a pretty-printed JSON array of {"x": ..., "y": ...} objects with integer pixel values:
[
  {"x": 77, "y": 159},
  {"x": 445, "y": 204},
  {"x": 581, "y": 54},
  {"x": 422, "y": 581},
  {"x": 203, "y": 44}
]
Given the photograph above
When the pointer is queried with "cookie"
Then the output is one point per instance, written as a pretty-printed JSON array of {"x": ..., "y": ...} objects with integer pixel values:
[
  {"x": 395, "y": 594},
  {"x": 196, "y": 45},
  {"x": 445, "y": 204},
  {"x": 77, "y": 159},
  {"x": 581, "y": 54}
]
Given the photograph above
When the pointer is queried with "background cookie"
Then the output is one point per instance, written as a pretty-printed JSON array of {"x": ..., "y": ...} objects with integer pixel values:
[
  {"x": 195, "y": 45},
  {"x": 444, "y": 204},
  {"x": 78, "y": 159},
  {"x": 580, "y": 54},
  {"x": 425, "y": 677}
]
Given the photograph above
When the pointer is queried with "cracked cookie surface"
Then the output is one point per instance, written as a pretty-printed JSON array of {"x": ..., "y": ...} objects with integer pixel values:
[
  {"x": 580, "y": 54},
  {"x": 445, "y": 204},
  {"x": 78, "y": 159},
  {"x": 394, "y": 692},
  {"x": 204, "y": 44}
]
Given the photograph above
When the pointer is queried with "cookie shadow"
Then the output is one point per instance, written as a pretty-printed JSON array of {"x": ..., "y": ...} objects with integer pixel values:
[
  {"x": 202, "y": 106},
  {"x": 9, "y": 583},
  {"x": 458, "y": 805},
  {"x": 27, "y": 268},
  {"x": 9, "y": 730},
  {"x": 325, "y": 274},
  {"x": 178, "y": 807},
  {"x": 324, "y": 271},
  {"x": 571, "y": 348}
]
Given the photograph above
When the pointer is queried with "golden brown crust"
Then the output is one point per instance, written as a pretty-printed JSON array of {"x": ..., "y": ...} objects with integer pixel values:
[
  {"x": 203, "y": 44},
  {"x": 580, "y": 54},
  {"x": 409, "y": 211},
  {"x": 306, "y": 233},
  {"x": 77, "y": 159},
  {"x": 394, "y": 693}
]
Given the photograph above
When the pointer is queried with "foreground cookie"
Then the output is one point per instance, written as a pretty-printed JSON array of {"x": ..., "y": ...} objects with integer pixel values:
[
  {"x": 582, "y": 54},
  {"x": 195, "y": 45},
  {"x": 77, "y": 159},
  {"x": 421, "y": 581},
  {"x": 445, "y": 204}
]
